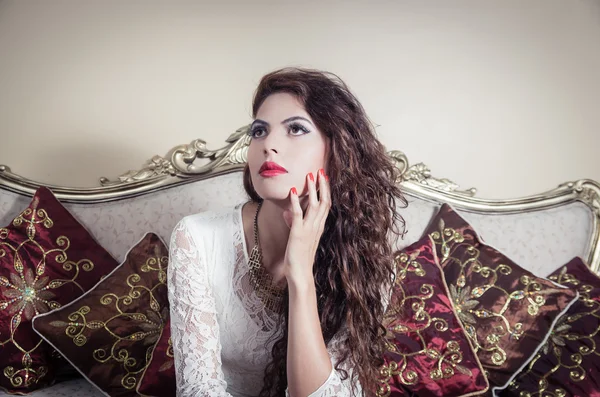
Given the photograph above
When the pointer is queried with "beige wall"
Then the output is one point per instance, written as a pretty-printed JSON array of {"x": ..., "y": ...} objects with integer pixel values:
[{"x": 500, "y": 95}]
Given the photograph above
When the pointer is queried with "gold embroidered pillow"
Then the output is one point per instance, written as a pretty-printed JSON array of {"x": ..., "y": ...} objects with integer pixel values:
[
  {"x": 506, "y": 310},
  {"x": 109, "y": 333},
  {"x": 568, "y": 364},
  {"x": 159, "y": 378},
  {"x": 428, "y": 352},
  {"x": 47, "y": 259}
]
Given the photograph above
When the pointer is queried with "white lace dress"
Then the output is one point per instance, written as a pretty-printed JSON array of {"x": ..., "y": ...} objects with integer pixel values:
[{"x": 221, "y": 332}]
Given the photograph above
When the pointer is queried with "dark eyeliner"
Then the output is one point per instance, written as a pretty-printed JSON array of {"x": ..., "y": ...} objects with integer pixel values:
[
  {"x": 299, "y": 126},
  {"x": 252, "y": 131}
]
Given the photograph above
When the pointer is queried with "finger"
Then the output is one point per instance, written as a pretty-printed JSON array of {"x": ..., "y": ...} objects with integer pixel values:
[
  {"x": 296, "y": 209},
  {"x": 324, "y": 195},
  {"x": 288, "y": 217},
  {"x": 324, "y": 202},
  {"x": 313, "y": 199}
]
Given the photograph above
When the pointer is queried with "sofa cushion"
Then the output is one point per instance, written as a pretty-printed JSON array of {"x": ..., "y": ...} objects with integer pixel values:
[
  {"x": 109, "y": 333},
  {"x": 159, "y": 378},
  {"x": 569, "y": 362},
  {"x": 506, "y": 310},
  {"x": 428, "y": 352},
  {"x": 47, "y": 259}
]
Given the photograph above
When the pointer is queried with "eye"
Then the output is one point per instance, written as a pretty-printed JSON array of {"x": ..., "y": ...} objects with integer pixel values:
[
  {"x": 297, "y": 129},
  {"x": 257, "y": 132}
]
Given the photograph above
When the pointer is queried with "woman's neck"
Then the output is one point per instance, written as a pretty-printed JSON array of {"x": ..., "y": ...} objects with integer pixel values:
[{"x": 273, "y": 234}]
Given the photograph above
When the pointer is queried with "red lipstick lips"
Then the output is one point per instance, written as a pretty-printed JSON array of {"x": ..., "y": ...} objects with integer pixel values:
[{"x": 270, "y": 168}]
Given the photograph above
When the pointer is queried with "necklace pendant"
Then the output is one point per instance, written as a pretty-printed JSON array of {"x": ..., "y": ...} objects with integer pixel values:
[{"x": 261, "y": 280}]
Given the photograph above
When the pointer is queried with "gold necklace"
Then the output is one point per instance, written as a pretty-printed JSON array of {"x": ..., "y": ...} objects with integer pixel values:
[{"x": 270, "y": 295}]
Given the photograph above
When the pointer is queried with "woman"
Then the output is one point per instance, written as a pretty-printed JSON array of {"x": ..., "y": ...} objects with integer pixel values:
[{"x": 284, "y": 294}]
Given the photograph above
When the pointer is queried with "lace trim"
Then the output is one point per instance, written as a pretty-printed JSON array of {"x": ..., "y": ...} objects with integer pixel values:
[{"x": 194, "y": 328}]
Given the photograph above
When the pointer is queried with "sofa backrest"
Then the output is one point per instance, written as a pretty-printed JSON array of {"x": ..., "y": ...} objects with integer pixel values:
[{"x": 541, "y": 233}]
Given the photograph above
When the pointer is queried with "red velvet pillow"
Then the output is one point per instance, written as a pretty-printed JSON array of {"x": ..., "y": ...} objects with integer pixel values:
[
  {"x": 568, "y": 364},
  {"x": 109, "y": 333},
  {"x": 506, "y": 310},
  {"x": 47, "y": 259},
  {"x": 159, "y": 378},
  {"x": 428, "y": 352}
]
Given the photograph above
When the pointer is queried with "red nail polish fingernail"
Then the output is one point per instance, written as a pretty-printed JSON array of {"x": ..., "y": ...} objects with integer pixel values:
[
  {"x": 294, "y": 191},
  {"x": 326, "y": 178},
  {"x": 322, "y": 172},
  {"x": 310, "y": 175}
]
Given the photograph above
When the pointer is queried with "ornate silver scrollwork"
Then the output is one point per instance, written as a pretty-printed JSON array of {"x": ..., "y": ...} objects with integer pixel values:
[
  {"x": 155, "y": 167},
  {"x": 195, "y": 159},
  {"x": 587, "y": 191},
  {"x": 420, "y": 173},
  {"x": 184, "y": 160},
  {"x": 234, "y": 153}
]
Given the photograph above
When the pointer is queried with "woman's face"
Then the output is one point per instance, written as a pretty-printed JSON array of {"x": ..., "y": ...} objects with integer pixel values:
[{"x": 286, "y": 145}]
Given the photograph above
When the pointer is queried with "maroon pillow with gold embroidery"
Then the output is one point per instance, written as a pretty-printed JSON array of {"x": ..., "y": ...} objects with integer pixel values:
[
  {"x": 47, "y": 259},
  {"x": 108, "y": 334},
  {"x": 506, "y": 310},
  {"x": 428, "y": 352},
  {"x": 568, "y": 364},
  {"x": 159, "y": 378}
]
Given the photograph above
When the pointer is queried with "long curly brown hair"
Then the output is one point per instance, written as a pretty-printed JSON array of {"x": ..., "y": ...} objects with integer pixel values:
[{"x": 354, "y": 261}]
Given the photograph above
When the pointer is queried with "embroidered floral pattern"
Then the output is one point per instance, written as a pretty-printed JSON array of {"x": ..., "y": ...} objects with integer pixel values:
[
  {"x": 27, "y": 295},
  {"x": 447, "y": 361},
  {"x": 387, "y": 372},
  {"x": 446, "y": 238},
  {"x": 558, "y": 335},
  {"x": 465, "y": 296},
  {"x": 565, "y": 362},
  {"x": 506, "y": 311},
  {"x": 463, "y": 304},
  {"x": 415, "y": 318},
  {"x": 130, "y": 321},
  {"x": 27, "y": 290},
  {"x": 159, "y": 377},
  {"x": 168, "y": 364}
]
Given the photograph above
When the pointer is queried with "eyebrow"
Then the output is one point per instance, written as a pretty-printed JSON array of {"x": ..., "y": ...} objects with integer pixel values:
[{"x": 293, "y": 118}]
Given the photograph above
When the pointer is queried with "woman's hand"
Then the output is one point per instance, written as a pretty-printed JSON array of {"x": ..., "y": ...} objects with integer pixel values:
[{"x": 306, "y": 228}]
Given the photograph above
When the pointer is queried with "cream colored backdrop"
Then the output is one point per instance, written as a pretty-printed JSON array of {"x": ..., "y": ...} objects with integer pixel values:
[{"x": 501, "y": 95}]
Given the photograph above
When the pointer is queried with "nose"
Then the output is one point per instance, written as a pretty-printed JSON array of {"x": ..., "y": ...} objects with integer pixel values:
[{"x": 272, "y": 143}]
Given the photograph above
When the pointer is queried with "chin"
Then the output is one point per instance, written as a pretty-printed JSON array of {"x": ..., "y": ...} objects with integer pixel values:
[
  {"x": 273, "y": 193},
  {"x": 273, "y": 196}
]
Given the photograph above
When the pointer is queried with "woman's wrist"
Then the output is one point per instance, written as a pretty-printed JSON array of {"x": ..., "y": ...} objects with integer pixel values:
[{"x": 300, "y": 282}]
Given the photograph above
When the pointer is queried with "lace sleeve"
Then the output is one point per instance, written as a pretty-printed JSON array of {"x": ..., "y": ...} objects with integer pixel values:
[
  {"x": 335, "y": 386},
  {"x": 194, "y": 327}
]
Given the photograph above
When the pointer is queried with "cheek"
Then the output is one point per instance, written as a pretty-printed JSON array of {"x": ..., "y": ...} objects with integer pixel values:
[
  {"x": 314, "y": 158},
  {"x": 309, "y": 161},
  {"x": 254, "y": 158}
]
